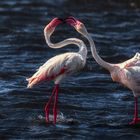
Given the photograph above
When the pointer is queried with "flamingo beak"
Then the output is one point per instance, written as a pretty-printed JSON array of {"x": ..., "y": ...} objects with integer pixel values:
[
  {"x": 55, "y": 22},
  {"x": 71, "y": 20}
]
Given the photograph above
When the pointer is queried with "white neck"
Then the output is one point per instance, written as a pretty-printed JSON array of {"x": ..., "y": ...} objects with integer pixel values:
[
  {"x": 98, "y": 59},
  {"x": 78, "y": 42}
]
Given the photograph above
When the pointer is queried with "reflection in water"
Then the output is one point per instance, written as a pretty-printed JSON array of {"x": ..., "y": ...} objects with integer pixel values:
[{"x": 100, "y": 107}]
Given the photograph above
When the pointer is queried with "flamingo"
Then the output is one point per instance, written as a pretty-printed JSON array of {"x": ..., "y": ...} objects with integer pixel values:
[
  {"x": 127, "y": 73},
  {"x": 58, "y": 67}
]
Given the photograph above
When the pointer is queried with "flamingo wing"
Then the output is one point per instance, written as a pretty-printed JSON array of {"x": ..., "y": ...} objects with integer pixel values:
[
  {"x": 56, "y": 66},
  {"x": 134, "y": 61},
  {"x": 134, "y": 74},
  {"x": 130, "y": 77}
]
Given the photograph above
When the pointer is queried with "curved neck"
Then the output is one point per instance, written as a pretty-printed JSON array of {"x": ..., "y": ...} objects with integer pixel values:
[
  {"x": 78, "y": 42},
  {"x": 98, "y": 59}
]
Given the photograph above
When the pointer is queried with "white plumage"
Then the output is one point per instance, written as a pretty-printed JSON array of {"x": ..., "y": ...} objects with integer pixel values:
[
  {"x": 59, "y": 66},
  {"x": 126, "y": 73}
]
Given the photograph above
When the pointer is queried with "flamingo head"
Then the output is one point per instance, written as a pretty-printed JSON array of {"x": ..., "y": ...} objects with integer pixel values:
[
  {"x": 78, "y": 25},
  {"x": 49, "y": 29}
]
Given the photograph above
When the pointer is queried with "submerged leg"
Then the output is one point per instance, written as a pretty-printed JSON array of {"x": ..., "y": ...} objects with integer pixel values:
[
  {"x": 135, "y": 119},
  {"x": 47, "y": 107},
  {"x": 55, "y": 104}
]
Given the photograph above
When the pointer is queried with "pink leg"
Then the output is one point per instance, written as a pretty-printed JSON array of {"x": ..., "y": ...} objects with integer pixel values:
[
  {"x": 47, "y": 107},
  {"x": 135, "y": 119},
  {"x": 55, "y": 105}
]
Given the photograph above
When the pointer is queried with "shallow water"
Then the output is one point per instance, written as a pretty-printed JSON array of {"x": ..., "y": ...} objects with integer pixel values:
[{"x": 100, "y": 108}]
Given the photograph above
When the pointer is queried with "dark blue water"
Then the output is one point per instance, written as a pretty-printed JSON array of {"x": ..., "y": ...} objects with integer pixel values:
[{"x": 101, "y": 108}]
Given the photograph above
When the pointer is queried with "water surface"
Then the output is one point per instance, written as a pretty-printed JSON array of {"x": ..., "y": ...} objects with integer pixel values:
[{"x": 101, "y": 108}]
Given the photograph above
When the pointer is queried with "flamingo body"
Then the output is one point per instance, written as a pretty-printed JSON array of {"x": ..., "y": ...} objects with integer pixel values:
[
  {"x": 126, "y": 73},
  {"x": 57, "y": 68}
]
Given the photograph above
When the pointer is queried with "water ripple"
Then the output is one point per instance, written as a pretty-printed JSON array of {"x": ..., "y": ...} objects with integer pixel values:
[{"x": 100, "y": 107}]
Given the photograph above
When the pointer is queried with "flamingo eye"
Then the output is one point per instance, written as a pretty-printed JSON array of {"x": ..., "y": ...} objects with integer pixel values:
[
  {"x": 55, "y": 22},
  {"x": 79, "y": 25},
  {"x": 47, "y": 28}
]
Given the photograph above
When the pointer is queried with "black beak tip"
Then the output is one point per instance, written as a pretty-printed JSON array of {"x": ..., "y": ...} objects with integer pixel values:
[{"x": 62, "y": 20}]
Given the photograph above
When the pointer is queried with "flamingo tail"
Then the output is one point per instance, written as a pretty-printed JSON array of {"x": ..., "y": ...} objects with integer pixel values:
[
  {"x": 31, "y": 82},
  {"x": 40, "y": 76},
  {"x": 35, "y": 79}
]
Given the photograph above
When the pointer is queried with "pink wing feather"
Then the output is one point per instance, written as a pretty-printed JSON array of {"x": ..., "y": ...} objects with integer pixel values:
[
  {"x": 41, "y": 76},
  {"x": 56, "y": 66},
  {"x": 49, "y": 71}
]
